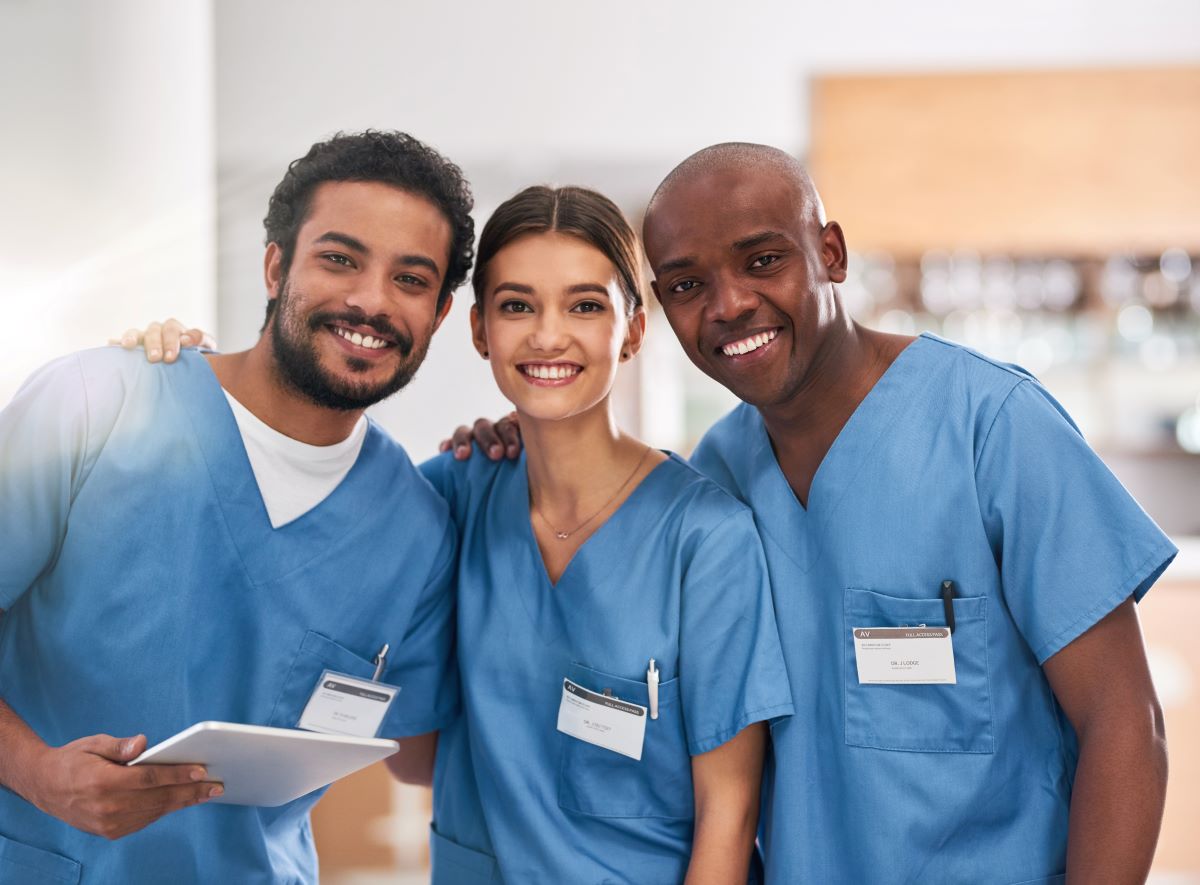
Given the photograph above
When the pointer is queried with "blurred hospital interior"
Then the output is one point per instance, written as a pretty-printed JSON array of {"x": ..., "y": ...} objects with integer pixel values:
[{"x": 1021, "y": 177}]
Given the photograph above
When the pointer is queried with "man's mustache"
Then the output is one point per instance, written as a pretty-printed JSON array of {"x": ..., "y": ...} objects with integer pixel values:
[{"x": 358, "y": 318}]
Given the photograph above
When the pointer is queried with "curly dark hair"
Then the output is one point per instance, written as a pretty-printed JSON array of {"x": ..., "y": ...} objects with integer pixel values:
[{"x": 394, "y": 158}]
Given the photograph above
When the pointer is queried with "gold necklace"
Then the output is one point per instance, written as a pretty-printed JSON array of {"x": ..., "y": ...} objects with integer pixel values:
[{"x": 561, "y": 535}]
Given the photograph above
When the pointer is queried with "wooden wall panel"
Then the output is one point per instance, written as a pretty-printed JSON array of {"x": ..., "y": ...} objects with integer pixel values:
[{"x": 1058, "y": 162}]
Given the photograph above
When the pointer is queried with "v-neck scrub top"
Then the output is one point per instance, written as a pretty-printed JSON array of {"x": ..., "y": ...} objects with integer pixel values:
[
  {"x": 957, "y": 468},
  {"x": 145, "y": 590},
  {"x": 676, "y": 574}
]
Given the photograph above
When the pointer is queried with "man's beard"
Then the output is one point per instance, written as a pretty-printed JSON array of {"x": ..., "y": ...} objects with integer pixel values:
[{"x": 299, "y": 365}]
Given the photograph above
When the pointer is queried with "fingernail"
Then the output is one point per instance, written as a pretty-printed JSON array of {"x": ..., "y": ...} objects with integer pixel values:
[
  {"x": 154, "y": 352},
  {"x": 215, "y": 792},
  {"x": 462, "y": 450},
  {"x": 170, "y": 354},
  {"x": 196, "y": 774},
  {"x": 127, "y": 747},
  {"x": 128, "y": 341},
  {"x": 512, "y": 451},
  {"x": 495, "y": 451}
]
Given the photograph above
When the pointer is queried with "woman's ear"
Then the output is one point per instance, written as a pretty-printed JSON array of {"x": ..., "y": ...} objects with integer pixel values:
[{"x": 634, "y": 335}]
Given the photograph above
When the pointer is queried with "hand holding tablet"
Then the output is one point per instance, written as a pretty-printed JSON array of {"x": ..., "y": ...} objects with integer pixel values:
[{"x": 267, "y": 766}]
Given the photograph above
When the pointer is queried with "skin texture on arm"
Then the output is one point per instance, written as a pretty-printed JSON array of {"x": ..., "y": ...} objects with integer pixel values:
[
  {"x": 413, "y": 764},
  {"x": 727, "y": 782},
  {"x": 1102, "y": 681}
]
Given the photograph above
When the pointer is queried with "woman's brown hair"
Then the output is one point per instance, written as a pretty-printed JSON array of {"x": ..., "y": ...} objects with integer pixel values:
[{"x": 576, "y": 211}]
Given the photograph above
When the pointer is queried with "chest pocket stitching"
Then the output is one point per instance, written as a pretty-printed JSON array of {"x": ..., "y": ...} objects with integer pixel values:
[{"x": 971, "y": 620}]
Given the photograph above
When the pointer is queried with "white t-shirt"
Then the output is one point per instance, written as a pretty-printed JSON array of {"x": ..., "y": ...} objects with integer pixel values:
[{"x": 293, "y": 477}]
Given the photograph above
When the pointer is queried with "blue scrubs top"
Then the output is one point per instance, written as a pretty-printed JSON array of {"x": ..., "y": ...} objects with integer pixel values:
[
  {"x": 953, "y": 467},
  {"x": 676, "y": 574},
  {"x": 145, "y": 590}
]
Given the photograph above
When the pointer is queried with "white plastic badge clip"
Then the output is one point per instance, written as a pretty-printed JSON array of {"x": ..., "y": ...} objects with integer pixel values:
[{"x": 652, "y": 688}]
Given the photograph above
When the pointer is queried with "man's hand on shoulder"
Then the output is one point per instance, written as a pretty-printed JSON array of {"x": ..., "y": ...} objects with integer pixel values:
[{"x": 497, "y": 439}]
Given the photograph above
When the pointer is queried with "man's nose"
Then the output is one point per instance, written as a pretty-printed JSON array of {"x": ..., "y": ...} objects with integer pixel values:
[
  {"x": 372, "y": 294},
  {"x": 731, "y": 300}
]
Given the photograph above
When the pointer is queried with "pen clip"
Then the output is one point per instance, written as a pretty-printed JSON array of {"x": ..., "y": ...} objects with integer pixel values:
[
  {"x": 380, "y": 662},
  {"x": 948, "y": 603},
  {"x": 652, "y": 688}
]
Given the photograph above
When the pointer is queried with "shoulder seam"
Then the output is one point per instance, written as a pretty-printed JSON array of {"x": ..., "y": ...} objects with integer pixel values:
[
  {"x": 988, "y": 435},
  {"x": 980, "y": 357}
]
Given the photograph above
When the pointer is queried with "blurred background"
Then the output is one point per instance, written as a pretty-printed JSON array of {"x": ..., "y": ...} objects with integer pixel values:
[{"x": 1019, "y": 176}]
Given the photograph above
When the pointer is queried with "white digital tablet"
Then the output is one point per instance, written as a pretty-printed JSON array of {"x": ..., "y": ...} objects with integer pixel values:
[{"x": 267, "y": 766}]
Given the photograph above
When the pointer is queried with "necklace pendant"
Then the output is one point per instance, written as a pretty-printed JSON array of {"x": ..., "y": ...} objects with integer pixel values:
[{"x": 562, "y": 536}]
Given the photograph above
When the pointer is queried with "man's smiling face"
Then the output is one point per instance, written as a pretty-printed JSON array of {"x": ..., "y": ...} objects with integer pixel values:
[
  {"x": 358, "y": 306},
  {"x": 744, "y": 270}
]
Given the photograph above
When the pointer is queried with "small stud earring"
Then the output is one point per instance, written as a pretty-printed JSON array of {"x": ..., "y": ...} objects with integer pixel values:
[
  {"x": 625, "y": 355},
  {"x": 485, "y": 354}
]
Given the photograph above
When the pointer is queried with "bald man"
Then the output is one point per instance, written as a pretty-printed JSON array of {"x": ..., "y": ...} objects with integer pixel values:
[
  {"x": 905, "y": 483},
  {"x": 954, "y": 570}
]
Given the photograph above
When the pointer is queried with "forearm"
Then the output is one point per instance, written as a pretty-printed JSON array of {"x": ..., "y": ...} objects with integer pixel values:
[
  {"x": 1117, "y": 801},
  {"x": 413, "y": 764},
  {"x": 723, "y": 844},
  {"x": 20, "y": 749}
]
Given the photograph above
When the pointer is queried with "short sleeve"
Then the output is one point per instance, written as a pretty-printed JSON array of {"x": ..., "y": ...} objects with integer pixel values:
[
  {"x": 1070, "y": 541},
  {"x": 424, "y": 667},
  {"x": 439, "y": 472},
  {"x": 731, "y": 668},
  {"x": 43, "y": 450}
]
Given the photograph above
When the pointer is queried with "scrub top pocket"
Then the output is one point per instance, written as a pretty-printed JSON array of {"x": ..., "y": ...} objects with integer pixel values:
[
  {"x": 601, "y": 783},
  {"x": 35, "y": 866},
  {"x": 921, "y": 718},
  {"x": 317, "y": 653}
]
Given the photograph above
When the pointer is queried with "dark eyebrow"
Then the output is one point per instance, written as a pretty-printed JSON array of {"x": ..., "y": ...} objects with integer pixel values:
[
  {"x": 674, "y": 264},
  {"x": 758, "y": 239},
  {"x": 333, "y": 236},
  {"x": 580, "y": 288},
  {"x": 421, "y": 261},
  {"x": 577, "y": 289}
]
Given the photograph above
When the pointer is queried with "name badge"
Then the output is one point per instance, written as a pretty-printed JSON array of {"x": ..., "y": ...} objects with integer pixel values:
[
  {"x": 904, "y": 656},
  {"x": 602, "y": 720},
  {"x": 347, "y": 705}
]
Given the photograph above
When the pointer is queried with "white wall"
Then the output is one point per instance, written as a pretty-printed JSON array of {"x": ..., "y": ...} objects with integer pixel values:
[
  {"x": 107, "y": 172},
  {"x": 604, "y": 94}
]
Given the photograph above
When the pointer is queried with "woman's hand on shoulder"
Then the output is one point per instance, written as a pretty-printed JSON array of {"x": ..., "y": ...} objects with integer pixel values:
[{"x": 163, "y": 341}]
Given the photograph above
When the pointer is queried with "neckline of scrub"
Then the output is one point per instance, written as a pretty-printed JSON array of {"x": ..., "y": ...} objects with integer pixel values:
[
  {"x": 598, "y": 535},
  {"x": 794, "y": 527},
  {"x": 267, "y": 551}
]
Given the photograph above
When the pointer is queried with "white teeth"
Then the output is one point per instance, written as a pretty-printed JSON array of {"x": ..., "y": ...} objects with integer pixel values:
[
  {"x": 550, "y": 373},
  {"x": 754, "y": 342},
  {"x": 368, "y": 341}
]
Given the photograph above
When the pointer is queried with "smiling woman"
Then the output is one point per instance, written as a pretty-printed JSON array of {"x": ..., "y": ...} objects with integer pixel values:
[{"x": 626, "y": 743}]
